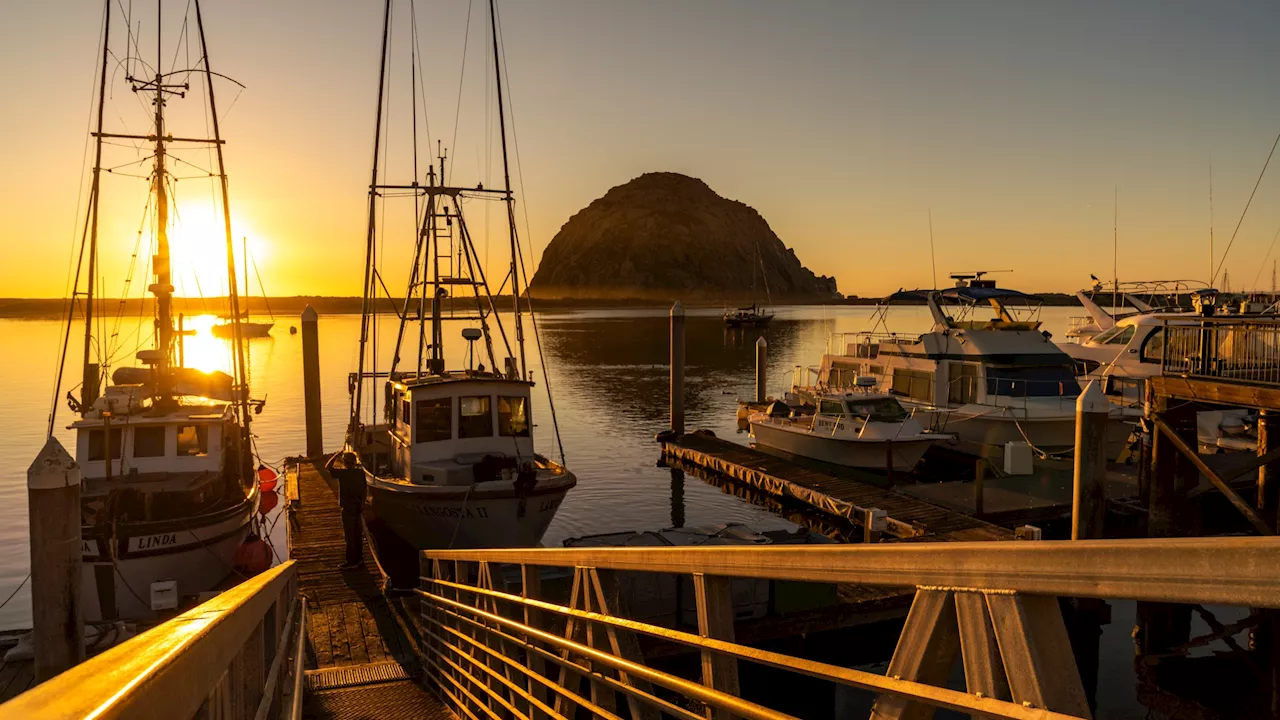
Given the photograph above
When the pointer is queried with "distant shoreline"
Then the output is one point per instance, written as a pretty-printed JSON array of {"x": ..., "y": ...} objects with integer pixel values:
[{"x": 55, "y": 308}]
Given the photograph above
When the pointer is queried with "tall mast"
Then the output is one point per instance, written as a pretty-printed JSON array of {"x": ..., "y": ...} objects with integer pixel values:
[
  {"x": 510, "y": 201},
  {"x": 163, "y": 287},
  {"x": 89, "y": 373},
  {"x": 233, "y": 295}
]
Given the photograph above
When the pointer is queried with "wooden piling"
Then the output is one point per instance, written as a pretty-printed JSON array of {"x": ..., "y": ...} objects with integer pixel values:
[
  {"x": 677, "y": 368},
  {"x": 979, "y": 478},
  {"x": 53, "y": 504},
  {"x": 1089, "y": 499},
  {"x": 762, "y": 356},
  {"x": 1268, "y": 478},
  {"x": 311, "y": 380}
]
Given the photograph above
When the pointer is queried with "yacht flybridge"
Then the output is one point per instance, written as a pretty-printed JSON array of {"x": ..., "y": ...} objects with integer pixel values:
[
  {"x": 449, "y": 455},
  {"x": 988, "y": 379},
  {"x": 168, "y": 485}
]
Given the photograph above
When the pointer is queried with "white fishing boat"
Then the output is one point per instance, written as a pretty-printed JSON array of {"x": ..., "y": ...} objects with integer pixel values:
[
  {"x": 987, "y": 380},
  {"x": 449, "y": 456},
  {"x": 867, "y": 430},
  {"x": 168, "y": 488}
]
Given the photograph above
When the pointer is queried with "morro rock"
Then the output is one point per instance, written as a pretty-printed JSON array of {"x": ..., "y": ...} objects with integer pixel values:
[{"x": 664, "y": 236}]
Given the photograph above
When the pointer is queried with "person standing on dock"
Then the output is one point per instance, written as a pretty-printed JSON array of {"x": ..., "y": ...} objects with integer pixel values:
[{"x": 351, "y": 491}]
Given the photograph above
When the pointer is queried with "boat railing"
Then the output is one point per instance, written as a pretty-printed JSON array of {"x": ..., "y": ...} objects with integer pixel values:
[
  {"x": 862, "y": 344},
  {"x": 238, "y": 655},
  {"x": 995, "y": 606},
  {"x": 1223, "y": 348}
]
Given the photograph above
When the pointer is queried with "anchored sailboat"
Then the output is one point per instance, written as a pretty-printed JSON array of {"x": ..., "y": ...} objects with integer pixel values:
[
  {"x": 450, "y": 462},
  {"x": 167, "y": 482}
]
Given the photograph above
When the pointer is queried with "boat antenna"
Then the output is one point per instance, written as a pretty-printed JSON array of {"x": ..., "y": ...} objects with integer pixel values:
[
  {"x": 508, "y": 198},
  {"x": 1115, "y": 248},
  {"x": 1210, "y": 222},
  {"x": 933, "y": 258}
]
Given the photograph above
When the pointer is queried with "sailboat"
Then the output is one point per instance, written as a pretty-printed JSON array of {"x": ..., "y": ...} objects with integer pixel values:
[
  {"x": 227, "y": 329},
  {"x": 167, "y": 477},
  {"x": 752, "y": 315},
  {"x": 451, "y": 461}
]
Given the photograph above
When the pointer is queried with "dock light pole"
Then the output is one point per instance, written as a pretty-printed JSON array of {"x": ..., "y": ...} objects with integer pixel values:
[
  {"x": 53, "y": 506},
  {"x": 311, "y": 380},
  {"x": 762, "y": 357},
  {"x": 677, "y": 368}
]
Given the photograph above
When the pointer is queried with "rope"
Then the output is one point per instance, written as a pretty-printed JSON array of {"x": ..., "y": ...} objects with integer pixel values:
[
  {"x": 1246, "y": 209},
  {"x": 15, "y": 590}
]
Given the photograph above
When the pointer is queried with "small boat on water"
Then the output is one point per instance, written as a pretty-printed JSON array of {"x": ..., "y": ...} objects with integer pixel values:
[
  {"x": 751, "y": 316},
  {"x": 168, "y": 489},
  {"x": 865, "y": 429},
  {"x": 448, "y": 455},
  {"x": 226, "y": 330}
]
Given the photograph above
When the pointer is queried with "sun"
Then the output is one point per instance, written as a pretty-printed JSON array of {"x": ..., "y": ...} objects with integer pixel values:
[{"x": 198, "y": 251}]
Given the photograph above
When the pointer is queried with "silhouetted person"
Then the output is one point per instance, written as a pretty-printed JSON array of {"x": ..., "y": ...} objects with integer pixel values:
[{"x": 351, "y": 490}]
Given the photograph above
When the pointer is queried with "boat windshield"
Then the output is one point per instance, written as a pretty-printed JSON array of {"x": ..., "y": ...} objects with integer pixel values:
[
  {"x": 1049, "y": 381},
  {"x": 1118, "y": 335},
  {"x": 878, "y": 410}
]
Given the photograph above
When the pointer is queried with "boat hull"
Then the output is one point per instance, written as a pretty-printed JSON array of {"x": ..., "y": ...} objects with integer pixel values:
[
  {"x": 870, "y": 455},
  {"x": 198, "y": 553},
  {"x": 441, "y": 518},
  {"x": 977, "y": 426}
]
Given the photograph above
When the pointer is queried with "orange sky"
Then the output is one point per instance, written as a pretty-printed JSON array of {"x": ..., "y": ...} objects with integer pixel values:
[{"x": 842, "y": 125}]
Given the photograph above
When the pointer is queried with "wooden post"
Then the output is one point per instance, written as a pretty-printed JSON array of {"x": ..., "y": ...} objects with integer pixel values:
[
  {"x": 715, "y": 620},
  {"x": 1268, "y": 482},
  {"x": 979, "y": 478},
  {"x": 53, "y": 506},
  {"x": 311, "y": 380},
  {"x": 677, "y": 368},
  {"x": 677, "y": 498},
  {"x": 762, "y": 356},
  {"x": 1089, "y": 498}
]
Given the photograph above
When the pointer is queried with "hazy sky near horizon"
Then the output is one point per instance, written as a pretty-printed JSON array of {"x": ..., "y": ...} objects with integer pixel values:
[{"x": 844, "y": 124}]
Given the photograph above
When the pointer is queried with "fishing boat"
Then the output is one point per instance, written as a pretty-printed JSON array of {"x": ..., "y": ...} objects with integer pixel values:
[
  {"x": 862, "y": 429},
  {"x": 448, "y": 456},
  {"x": 988, "y": 380},
  {"x": 168, "y": 487}
]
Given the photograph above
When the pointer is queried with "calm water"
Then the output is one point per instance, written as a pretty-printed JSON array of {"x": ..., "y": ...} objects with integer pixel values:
[{"x": 608, "y": 372}]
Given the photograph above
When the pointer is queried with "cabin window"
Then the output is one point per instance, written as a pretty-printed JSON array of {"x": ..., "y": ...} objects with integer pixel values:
[
  {"x": 513, "y": 416},
  {"x": 1052, "y": 381},
  {"x": 883, "y": 410},
  {"x": 1122, "y": 337},
  {"x": 98, "y": 449},
  {"x": 193, "y": 440},
  {"x": 1153, "y": 347},
  {"x": 831, "y": 407},
  {"x": 474, "y": 418},
  {"x": 915, "y": 384},
  {"x": 963, "y": 387},
  {"x": 434, "y": 420},
  {"x": 148, "y": 441},
  {"x": 404, "y": 412}
]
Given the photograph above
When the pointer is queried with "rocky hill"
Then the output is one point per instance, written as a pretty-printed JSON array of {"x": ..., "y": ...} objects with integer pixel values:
[{"x": 664, "y": 236}]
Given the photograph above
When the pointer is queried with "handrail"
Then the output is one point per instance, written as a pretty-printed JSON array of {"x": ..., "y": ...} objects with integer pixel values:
[
  {"x": 171, "y": 670},
  {"x": 1226, "y": 571}
]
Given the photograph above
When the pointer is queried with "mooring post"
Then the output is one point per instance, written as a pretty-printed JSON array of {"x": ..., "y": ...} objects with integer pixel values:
[
  {"x": 762, "y": 356},
  {"x": 1088, "y": 497},
  {"x": 53, "y": 507},
  {"x": 979, "y": 479},
  {"x": 1268, "y": 480},
  {"x": 677, "y": 368},
  {"x": 311, "y": 380}
]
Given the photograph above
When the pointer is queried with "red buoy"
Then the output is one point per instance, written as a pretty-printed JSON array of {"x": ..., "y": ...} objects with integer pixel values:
[
  {"x": 253, "y": 556},
  {"x": 267, "y": 478}
]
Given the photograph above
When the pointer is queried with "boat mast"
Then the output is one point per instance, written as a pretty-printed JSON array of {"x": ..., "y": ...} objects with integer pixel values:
[
  {"x": 242, "y": 370},
  {"x": 509, "y": 199},
  {"x": 163, "y": 286},
  {"x": 89, "y": 372}
]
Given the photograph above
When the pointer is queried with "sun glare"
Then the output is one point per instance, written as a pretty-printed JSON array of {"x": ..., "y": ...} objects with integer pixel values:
[
  {"x": 201, "y": 349},
  {"x": 198, "y": 248}
]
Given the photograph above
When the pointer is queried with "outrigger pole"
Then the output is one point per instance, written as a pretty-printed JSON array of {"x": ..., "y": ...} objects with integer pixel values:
[{"x": 510, "y": 200}]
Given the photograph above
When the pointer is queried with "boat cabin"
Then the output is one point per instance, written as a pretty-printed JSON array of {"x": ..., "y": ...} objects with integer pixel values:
[
  {"x": 459, "y": 428},
  {"x": 185, "y": 439}
]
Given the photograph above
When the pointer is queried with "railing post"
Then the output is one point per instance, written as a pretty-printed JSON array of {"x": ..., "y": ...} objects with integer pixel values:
[
  {"x": 715, "y": 620},
  {"x": 531, "y": 589}
]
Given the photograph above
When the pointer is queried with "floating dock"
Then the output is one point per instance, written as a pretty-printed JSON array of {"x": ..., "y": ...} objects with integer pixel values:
[{"x": 364, "y": 652}]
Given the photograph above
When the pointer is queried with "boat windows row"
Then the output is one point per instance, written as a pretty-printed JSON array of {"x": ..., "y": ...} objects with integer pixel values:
[
  {"x": 477, "y": 416},
  {"x": 149, "y": 441}
]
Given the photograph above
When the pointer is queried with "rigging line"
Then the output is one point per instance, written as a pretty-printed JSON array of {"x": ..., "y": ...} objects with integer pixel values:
[
  {"x": 1246, "y": 209},
  {"x": 258, "y": 275},
  {"x": 1266, "y": 257},
  {"x": 382, "y": 237},
  {"x": 426, "y": 117},
  {"x": 69, "y": 304},
  {"x": 183, "y": 38},
  {"x": 466, "y": 37},
  {"x": 533, "y": 317}
]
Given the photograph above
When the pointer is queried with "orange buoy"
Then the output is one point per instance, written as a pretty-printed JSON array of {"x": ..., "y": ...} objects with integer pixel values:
[
  {"x": 253, "y": 556},
  {"x": 267, "y": 478}
]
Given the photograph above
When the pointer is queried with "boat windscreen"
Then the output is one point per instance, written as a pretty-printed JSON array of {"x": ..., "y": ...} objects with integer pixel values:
[{"x": 878, "y": 410}]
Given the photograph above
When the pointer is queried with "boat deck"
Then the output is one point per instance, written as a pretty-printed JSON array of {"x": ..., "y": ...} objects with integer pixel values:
[{"x": 364, "y": 658}]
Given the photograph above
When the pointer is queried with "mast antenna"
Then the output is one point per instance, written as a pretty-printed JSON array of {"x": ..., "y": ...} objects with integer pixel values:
[
  {"x": 933, "y": 259},
  {"x": 1210, "y": 222},
  {"x": 1115, "y": 248}
]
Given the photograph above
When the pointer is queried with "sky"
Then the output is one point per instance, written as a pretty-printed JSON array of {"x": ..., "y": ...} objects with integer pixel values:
[{"x": 1031, "y": 133}]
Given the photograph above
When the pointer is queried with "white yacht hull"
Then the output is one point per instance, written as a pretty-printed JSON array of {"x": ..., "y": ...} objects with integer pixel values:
[
  {"x": 984, "y": 425},
  {"x": 462, "y": 518},
  {"x": 198, "y": 556},
  {"x": 871, "y": 455}
]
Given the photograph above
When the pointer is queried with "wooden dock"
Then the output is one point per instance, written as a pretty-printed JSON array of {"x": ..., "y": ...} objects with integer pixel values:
[
  {"x": 364, "y": 658},
  {"x": 906, "y": 518}
]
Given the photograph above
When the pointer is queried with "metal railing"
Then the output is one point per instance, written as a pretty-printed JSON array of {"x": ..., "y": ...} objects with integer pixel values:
[
  {"x": 235, "y": 656},
  {"x": 1227, "y": 348},
  {"x": 496, "y": 653}
]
